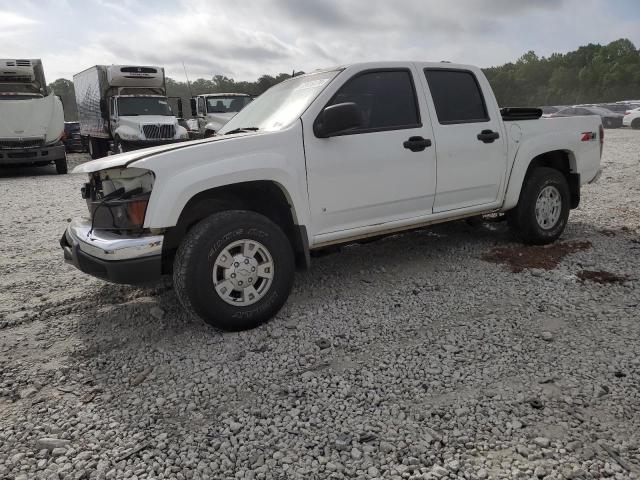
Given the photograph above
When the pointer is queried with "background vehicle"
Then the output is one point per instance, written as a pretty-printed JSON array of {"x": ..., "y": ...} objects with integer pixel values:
[
  {"x": 548, "y": 110},
  {"x": 332, "y": 157},
  {"x": 214, "y": 110},
  {"x": 619, "y": 107},
  {"x": 609, "y": 119},
  {"x": 71, "y": 137},
  {"x": 124, "y": 107},
  {"x": 632, "y": 119},
  {"x": 31, "y": 119}
]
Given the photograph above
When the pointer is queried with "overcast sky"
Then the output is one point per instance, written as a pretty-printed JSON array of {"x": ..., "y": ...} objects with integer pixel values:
[{"x": 246, "y": 38}]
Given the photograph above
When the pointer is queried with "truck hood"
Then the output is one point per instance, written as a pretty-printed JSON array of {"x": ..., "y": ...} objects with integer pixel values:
[
  {"x": 33, "y": 118},
  {"x": 147, "y": 119},
  {"x": 221, "y": 117},
  {"x": 125, "y": 159}
]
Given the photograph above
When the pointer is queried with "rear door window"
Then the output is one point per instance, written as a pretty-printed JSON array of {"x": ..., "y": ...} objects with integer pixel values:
[{"x": 457, "y": 96}]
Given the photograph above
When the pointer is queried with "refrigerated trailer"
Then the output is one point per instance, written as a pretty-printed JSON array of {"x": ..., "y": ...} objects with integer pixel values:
[
  {"x": 125, "y": 107},
  {"x": 31, "y": 118}
]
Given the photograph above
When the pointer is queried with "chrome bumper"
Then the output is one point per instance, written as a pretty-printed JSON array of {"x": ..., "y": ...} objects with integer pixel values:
[
  {"x": 110, "y": 246},
  {"x": 106, "y": 255}
]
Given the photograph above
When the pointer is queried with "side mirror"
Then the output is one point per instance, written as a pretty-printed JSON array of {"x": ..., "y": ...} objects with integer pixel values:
[
  {"x": 180, "y": 115},
  {"x": 337, "y": 119},
  {"x": 194, "y": 109}
]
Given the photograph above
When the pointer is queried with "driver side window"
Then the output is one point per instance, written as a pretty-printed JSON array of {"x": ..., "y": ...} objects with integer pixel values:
[{"x": 386, "y": 99}]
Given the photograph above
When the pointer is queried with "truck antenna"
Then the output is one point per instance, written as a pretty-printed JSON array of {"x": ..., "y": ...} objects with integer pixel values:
[{"x": 187, "y": 77}]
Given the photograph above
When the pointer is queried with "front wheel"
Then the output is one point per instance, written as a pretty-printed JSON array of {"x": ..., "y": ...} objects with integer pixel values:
[
  {"x": 543, "y": 208},
  {"x": 636, "y": 124},
  {"x": 234, "y": 270}
]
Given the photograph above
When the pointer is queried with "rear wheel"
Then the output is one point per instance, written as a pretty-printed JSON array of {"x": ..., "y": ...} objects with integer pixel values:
[
  {"x": 543, "y": 208},
  {"x": 234, "y": 270},
  {"x": 636, "y": 124},
  {"x": 61, "y": 165}
]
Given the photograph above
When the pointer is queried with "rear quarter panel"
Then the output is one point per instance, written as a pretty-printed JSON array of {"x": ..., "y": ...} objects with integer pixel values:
[{"x": 535, "y": 137}]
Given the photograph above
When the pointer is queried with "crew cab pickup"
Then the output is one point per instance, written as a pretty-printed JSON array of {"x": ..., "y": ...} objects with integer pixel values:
[{"x": 326, "y": 158}]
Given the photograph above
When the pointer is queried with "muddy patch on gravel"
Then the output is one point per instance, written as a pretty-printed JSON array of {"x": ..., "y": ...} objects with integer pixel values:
[
  {"x": 545, "y": 257},
  {"x": 602, "y": 277}
]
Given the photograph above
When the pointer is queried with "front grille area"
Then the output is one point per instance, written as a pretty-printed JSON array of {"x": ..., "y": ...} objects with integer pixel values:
[
  {"x": 23, "y": 143},
  {"x": 158, "y": 131}
]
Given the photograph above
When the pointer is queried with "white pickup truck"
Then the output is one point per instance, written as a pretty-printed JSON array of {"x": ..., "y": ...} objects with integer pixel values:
[{"x": 327, "y": 158}]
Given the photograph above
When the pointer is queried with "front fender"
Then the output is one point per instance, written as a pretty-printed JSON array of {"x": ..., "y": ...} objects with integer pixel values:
[
  {"x": 182, "y": 173},
  {"x": 126, "y": 132},
  {"x": 213, "y": 126}
]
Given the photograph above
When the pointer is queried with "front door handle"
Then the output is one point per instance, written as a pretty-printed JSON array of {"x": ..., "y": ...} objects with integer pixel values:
[
  {"x": 488, "y": 136},
  {"x": 417, "y": 144}
]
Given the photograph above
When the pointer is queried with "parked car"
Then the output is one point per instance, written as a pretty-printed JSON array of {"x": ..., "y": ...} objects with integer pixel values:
[
  {"x": 332, "y": 157},
  {"x": 548, "y": 110},
  {"x": 609, "y": 119},
  {"x": 632, "y": 119},
  {"x": 71, "y": 137},
  {"x": 618, "y": 107}
]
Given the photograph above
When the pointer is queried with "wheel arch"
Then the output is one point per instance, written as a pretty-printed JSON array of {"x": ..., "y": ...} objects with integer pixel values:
[
  {"x": 563, "y": 160},
  {"x": 266, "y": 197}
]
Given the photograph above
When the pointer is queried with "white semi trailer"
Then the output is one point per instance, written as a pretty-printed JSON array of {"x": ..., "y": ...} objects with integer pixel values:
[
  {"x": 31, "y": 119},
  {"x": 125, "y": 107}
]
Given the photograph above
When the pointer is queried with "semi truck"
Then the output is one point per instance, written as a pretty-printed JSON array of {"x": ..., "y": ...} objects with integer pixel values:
[
  {"x": 31, "y": 118},
  {"x": 212, "y": 111},
  {"x": 125, "y": 107}
]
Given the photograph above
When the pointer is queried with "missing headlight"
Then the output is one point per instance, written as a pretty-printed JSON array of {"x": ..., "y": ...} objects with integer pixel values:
[{"x": 118, "y": 198}]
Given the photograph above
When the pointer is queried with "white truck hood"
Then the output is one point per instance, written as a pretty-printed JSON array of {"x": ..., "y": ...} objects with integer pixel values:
[
  {"x": 124, "y": 159},
  {"x": 221, "y": 117},
  {"x": 33, "y": 118},
  {"x": 137, "y": 120}
]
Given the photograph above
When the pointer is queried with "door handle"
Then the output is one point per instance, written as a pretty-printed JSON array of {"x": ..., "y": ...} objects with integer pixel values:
[
  {"x": 488, "y": 136},
  {"x": 417, "y": 144}
]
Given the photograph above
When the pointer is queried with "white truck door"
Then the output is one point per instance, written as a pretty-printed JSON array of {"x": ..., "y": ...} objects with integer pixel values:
[
  {"x": 382, "y": 171},
  {"x": 470, "y": 148}
]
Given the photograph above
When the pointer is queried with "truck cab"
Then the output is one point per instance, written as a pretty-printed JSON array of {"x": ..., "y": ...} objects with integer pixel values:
[
  {"x": 31, "y": 118},
  {"x": 213, "y": 110}
]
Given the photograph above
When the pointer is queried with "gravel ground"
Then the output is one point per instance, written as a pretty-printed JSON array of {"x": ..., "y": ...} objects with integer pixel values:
[{"x": 435, "y": 354}]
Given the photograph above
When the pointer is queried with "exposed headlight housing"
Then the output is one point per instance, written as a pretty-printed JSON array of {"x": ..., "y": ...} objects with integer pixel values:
[{"x": 117, "y": 198}]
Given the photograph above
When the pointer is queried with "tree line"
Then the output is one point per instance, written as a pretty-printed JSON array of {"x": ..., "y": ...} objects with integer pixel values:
[{"x": 591, "y": 74}]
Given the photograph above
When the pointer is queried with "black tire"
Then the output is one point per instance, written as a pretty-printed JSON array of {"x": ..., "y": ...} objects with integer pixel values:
[
  {"x": 97, "y": 148},
  {"x": 523, "y": 218},
  {"x": 193, "y": 269},
  {"x": 61, "y": 166},
  {"x": 635, "y": 124},
  {"x": 209, "y": 133}
]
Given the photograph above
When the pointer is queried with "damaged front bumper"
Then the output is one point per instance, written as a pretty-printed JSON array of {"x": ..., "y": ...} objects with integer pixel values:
[{"x": 111, "y": 256}]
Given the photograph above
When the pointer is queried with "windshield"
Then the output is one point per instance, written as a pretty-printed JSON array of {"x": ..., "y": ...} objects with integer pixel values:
[
  {"x": 131, "y": 106},
  {"x": 281, "y": 104},
  {"x": 600, "y": 111},
  {"x": 226, "y": 104}
]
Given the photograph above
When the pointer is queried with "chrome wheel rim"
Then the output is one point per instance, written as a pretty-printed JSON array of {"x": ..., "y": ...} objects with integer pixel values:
[
  {"x": 548, "y": 207},
  {"x": 243, "y": 272}
]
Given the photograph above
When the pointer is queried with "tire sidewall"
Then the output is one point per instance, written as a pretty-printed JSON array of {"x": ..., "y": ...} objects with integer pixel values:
[
  {"x": 635, "y": 124},
  {"x": 206, "y": 301},
  {"x": 558, "y": 181}
]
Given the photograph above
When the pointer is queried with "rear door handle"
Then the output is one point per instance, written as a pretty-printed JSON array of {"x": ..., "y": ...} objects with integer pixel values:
[
  {"x": 488, "y": 136},
  {"x": 417, "y": 144}
]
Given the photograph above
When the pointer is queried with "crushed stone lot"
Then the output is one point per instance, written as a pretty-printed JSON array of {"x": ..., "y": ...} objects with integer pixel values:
[{"x": 451, "y": 352}]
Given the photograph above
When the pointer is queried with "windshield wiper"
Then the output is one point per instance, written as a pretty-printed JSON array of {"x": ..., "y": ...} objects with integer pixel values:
[{"x": 241, "y": 130}]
